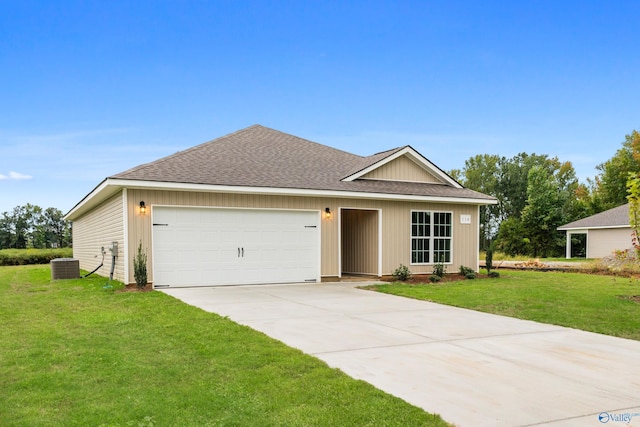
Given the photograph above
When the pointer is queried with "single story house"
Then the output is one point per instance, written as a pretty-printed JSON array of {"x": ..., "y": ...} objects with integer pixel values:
[
  {"x": 262, "y": 206},
  {"x": 602, "y": 233}
]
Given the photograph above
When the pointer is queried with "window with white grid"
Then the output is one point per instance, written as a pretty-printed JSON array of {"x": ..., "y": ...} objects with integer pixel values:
[{"x": 431, "y": 234}]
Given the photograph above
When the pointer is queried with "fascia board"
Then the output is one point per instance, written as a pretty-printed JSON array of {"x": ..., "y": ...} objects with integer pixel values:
[
  {"x": 416, "y": 157},
  {"x": 101, "y": 192},
  {"x": 601, "y": 227},
  {"x": 175, "y": 186}
]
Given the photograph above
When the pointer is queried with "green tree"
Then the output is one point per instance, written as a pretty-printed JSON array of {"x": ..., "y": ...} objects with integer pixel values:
[
  {"x": 21, "y": 221},
  {"x": 633, "y": 189},
  {"x": 512, "y": 239},
  {"x": 543, "y": 213},
  {"x": 507, "y": 179},
  {"x": 57, "y": 229},
  {"x": 612, "y": 180},
  {"x": 588, "y": 199},
  {"x": 37, "y": 237},
  {"x": 568, "y": 190},
  {"x": 481, "y": 173},
  {"x": 6, "y": 231},
  {"x": 514, "y": 179},
  {"x": 30, "y": 226}
]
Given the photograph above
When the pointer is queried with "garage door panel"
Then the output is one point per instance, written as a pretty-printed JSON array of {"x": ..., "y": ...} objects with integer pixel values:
[
  {"x": 187, "y": 257},
  {"x": 203, "y": 246}
]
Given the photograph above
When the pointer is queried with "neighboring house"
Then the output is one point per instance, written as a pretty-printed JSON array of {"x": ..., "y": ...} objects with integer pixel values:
[
  {"x": 261, "y": 206},
  {"x": 601, "y": 233}
]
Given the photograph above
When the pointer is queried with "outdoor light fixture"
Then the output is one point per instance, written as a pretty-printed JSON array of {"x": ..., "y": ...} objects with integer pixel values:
[
  {"x": 143, "y": 208},
  {"x": 327, "y": 213}
]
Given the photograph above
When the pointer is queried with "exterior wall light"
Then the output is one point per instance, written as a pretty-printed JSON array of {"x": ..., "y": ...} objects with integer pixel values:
[
  {"x": 327, "y": 213},
  {"x": 143, "y": 208}
]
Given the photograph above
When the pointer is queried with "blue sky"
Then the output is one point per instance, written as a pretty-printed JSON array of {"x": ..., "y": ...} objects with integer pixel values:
[{"x": 91, "y": 88}]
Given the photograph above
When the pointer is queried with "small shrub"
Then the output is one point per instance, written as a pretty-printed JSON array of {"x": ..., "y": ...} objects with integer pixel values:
[
  {"x": 402, "y": 273},
  {"x": 488, "y": 259},
  {"x": 494, "y": 274},
  {"x": 439, "y": 270},
  {"x": 434, "y": 278},
  {"x": 467, "y": 272},
  {"x": 140, "y": 268}
]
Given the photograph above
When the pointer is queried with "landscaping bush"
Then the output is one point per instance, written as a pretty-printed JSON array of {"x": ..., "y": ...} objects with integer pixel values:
[
  {"x": 434, "y": 278},
  {"x": 489, "y": 259},
  {"x": 140, "y": 268},
  {"x": 467, "y": 272},
  {"x": 32, "y": 256},
  {"x": 494, "y": 274},
  {"x": 402, "y": 273},
  {"x": 439, "y": 270}
]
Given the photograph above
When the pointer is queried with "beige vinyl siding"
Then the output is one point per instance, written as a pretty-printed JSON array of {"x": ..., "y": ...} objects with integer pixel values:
[
  {"x": 402, "y": 169},
  {"x": 396, "y": 224},
  {"x": 99, "y": 228},
  {"x": 602, "y": 242}
]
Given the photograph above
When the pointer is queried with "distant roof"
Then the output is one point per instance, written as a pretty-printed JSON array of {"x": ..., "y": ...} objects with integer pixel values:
[
  {"x": 613, "y": 218},
  {"x": 258, "y": 156}
]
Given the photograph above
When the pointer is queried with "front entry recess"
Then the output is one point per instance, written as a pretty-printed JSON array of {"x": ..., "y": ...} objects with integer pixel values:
[{"x": 359, "y": 236}]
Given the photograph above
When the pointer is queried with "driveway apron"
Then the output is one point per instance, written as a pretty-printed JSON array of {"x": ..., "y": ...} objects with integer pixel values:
[{"x": 472, "y": 368}]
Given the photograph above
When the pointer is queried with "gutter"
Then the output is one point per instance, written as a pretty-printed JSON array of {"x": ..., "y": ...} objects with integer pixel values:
[{"x": 110, "y": 186}]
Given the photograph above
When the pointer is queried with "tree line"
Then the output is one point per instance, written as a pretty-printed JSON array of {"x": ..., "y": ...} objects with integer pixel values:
[
  {"x": 536, "y": 194},
  {"x": 30, "y": 226}
]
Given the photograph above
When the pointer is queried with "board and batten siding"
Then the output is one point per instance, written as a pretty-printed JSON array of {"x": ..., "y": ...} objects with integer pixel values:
[
  {"x": 396, "y": 224},
  {"x": 402, "y": 169},
  {"x": 359, "y": 241},
  {"x": 99, "y": 228}
]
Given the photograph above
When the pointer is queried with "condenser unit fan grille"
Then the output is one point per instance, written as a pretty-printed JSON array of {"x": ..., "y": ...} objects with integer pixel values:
[{"x": 65, "y": 268}]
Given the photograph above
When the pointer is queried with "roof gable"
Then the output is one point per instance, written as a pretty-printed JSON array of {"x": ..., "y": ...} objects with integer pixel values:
[
  {"x": 404, "y": 169},
  {"x": 403, "y": 164}
]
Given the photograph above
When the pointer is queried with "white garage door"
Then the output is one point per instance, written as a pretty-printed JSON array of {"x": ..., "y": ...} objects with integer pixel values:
[{"x": 206, "y": 246}]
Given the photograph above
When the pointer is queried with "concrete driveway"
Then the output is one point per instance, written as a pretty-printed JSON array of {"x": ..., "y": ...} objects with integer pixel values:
[{"x": 472, "y": 368}]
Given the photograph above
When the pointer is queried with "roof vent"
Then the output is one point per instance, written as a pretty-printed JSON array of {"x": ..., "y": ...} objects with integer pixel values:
[{"x": 65, "y": 268}]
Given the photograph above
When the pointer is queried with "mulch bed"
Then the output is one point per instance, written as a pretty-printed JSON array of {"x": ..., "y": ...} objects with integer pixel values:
[
  {"x": 449, "y": 277},
  {"x": 134, "y": 288}
]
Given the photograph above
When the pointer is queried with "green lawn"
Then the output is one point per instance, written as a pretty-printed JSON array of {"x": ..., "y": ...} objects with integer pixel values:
[
  {"x": 593, "y": 303},
  {"x": 74, "y": 353}
]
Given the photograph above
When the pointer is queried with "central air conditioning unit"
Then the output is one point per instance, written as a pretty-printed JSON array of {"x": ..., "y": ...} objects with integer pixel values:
[{"x": 65, "y": 268}]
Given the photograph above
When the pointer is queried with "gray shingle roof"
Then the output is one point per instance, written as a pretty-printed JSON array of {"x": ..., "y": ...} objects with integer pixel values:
[
  {"x": 616, "y": 217},
  {"x": 261, "y": 157}
]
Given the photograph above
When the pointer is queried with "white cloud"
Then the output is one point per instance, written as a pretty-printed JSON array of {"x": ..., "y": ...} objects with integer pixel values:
[{"x": 15, "y": 176}]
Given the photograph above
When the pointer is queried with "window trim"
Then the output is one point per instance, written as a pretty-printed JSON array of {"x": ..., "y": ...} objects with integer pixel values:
[{"x": 431, "y": 237}]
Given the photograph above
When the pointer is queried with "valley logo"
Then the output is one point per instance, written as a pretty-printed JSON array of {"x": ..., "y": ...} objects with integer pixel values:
[{"x": 605, "y": 417}]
